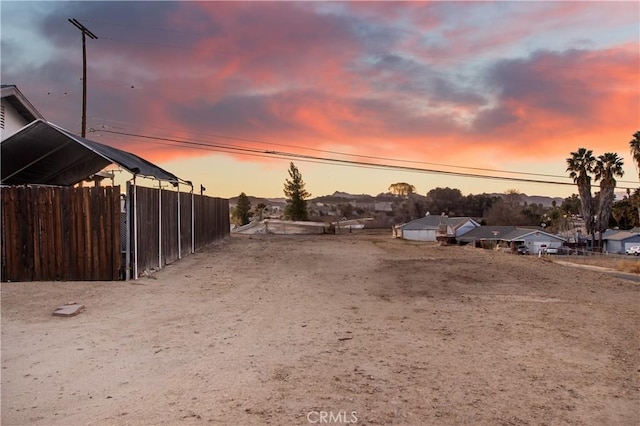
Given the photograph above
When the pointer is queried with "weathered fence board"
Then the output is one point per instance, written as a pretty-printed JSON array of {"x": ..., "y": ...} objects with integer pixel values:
[{"x": 60, "y": 233}]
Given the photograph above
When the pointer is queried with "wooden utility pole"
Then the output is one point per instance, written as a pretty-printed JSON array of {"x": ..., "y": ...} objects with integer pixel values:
[{"x": 85, "y": 32}]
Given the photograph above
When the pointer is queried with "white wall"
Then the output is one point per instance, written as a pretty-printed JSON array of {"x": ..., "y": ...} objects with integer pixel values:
[
  {"x": 419, "y": 235},
  {"x": 13, "y": 121}
]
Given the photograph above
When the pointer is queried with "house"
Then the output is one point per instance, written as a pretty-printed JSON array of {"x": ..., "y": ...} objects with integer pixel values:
[
  {"x": 617, "y": 242},
  {"x": 55, "y": 229},
  {"x": 535, "y": 239},
  {"x": 433, "y": 228},
  {"x": 15, "y": 111}
]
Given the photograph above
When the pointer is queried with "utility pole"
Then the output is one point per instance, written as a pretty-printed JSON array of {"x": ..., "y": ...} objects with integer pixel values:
[{"x": 85, "y": 32}]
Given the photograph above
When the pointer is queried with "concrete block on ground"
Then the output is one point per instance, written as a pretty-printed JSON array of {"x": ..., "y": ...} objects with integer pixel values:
[{"x": 68, "y": 310}]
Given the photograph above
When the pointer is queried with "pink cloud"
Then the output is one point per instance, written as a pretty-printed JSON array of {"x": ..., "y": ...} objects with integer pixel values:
[{"x": 278, "y": 72}]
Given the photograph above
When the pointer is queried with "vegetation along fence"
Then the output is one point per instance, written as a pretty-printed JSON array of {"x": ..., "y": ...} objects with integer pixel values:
[
  {"x": 66, "y": 233},
  {"x": 60, "y": 233}
]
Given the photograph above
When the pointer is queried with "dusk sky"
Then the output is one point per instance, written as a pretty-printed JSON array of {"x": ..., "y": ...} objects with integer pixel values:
[{"x": 205, "y": 88}]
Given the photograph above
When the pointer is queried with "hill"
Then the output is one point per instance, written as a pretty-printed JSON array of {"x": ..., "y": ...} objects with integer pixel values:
[{"x": 339, "y": 197}]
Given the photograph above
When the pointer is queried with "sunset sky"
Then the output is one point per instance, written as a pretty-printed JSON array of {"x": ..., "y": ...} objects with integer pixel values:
[{"x": 209, "y": 90}]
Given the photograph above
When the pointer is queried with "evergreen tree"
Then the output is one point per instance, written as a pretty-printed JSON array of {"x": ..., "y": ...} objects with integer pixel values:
[
  {"x": 242, "y": 212},
  {"x": 296, "y": 208}
]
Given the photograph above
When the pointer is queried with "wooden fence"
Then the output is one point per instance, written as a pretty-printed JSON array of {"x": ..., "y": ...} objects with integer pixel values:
[
  {"x": 74, "y": 234},
  {"x": 60, "y": 233},
  {"x": 161, "y": 237}
]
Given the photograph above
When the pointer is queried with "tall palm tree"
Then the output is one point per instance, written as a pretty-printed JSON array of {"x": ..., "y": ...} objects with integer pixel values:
[
  {"x": 635, "y": 201},
  {"x": 634, "y": 145},
  {"x": 580, "y": 165},
  {"x": 607, "y": 167}
]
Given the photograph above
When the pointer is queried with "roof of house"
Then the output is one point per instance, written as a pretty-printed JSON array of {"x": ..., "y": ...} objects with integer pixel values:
[
  {"x": 43, "y": 153},
  {"x": 616, "y": 235},
  {"x": 434, "y": 222},
  {"x": 12, "y": 95},
  {"x": 503, "y": 233}
]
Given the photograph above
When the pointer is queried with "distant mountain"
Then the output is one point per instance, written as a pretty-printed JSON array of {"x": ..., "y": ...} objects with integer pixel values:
[
  {"x": 342, "y": 197},
  {"x": 537, "y": 199},
  {"x": 257, "y": 200},
  {"x": 339, "y": 197},
  {"x": 339, "y": 194}
]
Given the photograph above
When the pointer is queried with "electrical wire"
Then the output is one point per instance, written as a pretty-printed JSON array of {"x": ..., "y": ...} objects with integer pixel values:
[
  {"x": 395, "y": 160},
  {"x": 311, "y": 158}
]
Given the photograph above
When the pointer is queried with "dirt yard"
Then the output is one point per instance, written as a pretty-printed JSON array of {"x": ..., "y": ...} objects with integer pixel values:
[{"x": 343, "y": 329}]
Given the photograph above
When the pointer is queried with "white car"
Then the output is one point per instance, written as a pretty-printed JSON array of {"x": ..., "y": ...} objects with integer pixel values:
[
  {"x": 634, "y": 250},
  {"x": 551, "y": 250}
]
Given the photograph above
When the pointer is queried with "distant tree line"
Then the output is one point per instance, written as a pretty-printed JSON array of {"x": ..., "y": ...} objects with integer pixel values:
[
  {"x": 509, "y": 209},
  {"x": 599, "y": 211},
  {"x": 438, "y": 201}
]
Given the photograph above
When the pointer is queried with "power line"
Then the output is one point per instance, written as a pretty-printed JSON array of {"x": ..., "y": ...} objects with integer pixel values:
[
  {"x": 352, "y": 163},
  {"x": 370, "y": 157}
]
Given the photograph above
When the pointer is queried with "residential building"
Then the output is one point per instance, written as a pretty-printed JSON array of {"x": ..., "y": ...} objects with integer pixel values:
[
  {"x": 15, "y": 111},
  {"x": 434, "y": 228}
]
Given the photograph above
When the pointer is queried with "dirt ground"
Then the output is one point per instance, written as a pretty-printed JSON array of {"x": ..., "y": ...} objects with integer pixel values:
[{"x": 343, "y": 329}]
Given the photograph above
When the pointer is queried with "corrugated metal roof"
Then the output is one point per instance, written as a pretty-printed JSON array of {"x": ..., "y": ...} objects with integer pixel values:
[{"x": 43, "y": 153}]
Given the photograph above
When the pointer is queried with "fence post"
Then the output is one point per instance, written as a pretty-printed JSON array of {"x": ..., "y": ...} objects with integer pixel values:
[
  {"x": 159, "y": 224},
  {"x": 193, "y": 241},
  {"x": 179, "y": 223}
]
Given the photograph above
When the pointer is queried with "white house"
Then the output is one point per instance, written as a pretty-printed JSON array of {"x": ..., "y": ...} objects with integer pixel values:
[
  {"x": 430, "y": 228},
  {"x": 15, "y": 111}
]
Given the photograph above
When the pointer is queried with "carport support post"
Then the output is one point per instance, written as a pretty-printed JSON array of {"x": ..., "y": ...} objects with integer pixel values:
[
  {"x": 159, "y": 224},
  {"x": 179, "y": 242},
  {"x": 135, "y": 229},
  {"x": 127, "y": 209}
]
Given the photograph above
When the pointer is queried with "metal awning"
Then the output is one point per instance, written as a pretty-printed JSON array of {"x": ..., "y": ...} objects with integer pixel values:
[{"x": 43, "y": 153}]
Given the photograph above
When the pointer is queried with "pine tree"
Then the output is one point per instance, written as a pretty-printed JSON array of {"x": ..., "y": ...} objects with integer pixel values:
[
  {"x": 296, "y": 208},
  {"x": 242, "y": 212}
]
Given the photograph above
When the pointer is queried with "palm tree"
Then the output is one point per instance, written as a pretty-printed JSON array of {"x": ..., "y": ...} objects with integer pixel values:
[
  {"x": 580, "y": 165},
  {"x": 634, "y": 145},
  {"x": 607, "y": 167},
  {"x": 635, "y": 201}
]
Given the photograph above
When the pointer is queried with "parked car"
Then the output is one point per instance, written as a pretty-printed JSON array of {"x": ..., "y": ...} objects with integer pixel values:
[
  {"x": 566, "y": 250},
  {"x": 550, "y": 250},
  {"x": 633, "y": 250},
  {"x": 523, "y": 250}
]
